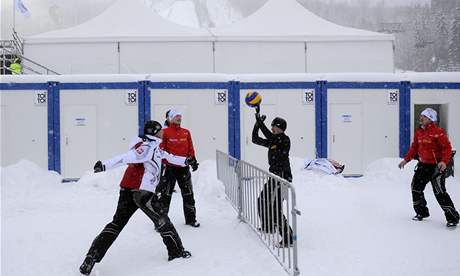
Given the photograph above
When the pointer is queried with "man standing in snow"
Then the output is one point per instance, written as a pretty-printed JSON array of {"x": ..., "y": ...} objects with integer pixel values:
[
  {"x": 178, "y": 141},
  {"x": 432, "y": 148},
  {"x": 137, "y": 191},
  {"x": 270, "y": 200}
]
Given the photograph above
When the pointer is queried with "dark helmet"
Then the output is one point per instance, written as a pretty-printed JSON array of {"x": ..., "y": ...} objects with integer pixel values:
[
  {"x": 280, "y": 123},
  {"x": 151, "y": 128}
]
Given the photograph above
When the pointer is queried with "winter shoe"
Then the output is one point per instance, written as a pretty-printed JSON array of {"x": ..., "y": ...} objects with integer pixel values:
[
  {"x": 419, "y": 217},
  {"x": 87, "y": 265},
  {"x": 184, "y": 254},
  {"x": 194, "y": 224},
  {"x": 283, "y": 244},
  {"x": 451, "y": 224}
]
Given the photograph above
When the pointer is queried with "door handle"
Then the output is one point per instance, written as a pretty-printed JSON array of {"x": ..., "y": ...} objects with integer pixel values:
[
  {"x": 333, "y": 138},
  {"x": 247, "y": 140},
  {"x": 67, "y": 140}
]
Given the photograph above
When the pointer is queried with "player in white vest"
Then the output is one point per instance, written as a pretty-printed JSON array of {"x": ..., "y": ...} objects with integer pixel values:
[{"x": 141, "y": 195}]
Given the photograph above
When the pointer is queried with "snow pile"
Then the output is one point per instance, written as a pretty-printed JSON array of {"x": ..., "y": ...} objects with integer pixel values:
[
  {"x": 348, "y": 227},
  {"x": 48, "y": 226},
  {"x": 363, "y": 226}
]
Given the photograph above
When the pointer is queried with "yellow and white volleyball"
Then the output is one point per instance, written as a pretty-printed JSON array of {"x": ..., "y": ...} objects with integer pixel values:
[{"x": 253, "y": 99}]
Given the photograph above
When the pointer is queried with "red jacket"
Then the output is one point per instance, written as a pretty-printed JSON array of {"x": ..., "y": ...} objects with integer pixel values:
[
  {"x": 431, "y": 145},
  {"x": 133, "y": 175},
  {"x": 177, "y": 141}
]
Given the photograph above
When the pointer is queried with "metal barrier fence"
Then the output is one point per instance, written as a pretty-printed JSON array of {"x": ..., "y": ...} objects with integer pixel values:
[{"x": 267, "y": 203}]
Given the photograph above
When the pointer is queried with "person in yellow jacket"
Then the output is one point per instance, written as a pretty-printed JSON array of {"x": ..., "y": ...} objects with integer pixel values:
[{"x": 16, "y": 67}]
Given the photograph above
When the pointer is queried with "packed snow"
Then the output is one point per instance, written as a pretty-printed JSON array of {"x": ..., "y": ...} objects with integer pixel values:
[{"x": 348, "y": 227}]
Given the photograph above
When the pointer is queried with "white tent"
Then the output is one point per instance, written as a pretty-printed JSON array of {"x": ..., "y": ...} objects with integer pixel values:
[
  {"x": 281, "y": 37},
  {"x": 284, "y": 37},
  {"x": 129, "y": 37}
]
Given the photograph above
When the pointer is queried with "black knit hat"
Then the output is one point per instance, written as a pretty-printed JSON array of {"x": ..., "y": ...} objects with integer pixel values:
[
  {"x": 151, "y": 128},
  {"x": 279, "y": 123}
]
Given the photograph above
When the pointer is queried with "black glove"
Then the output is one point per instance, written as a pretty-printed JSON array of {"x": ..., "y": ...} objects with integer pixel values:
[
  {"x": 191, "y": 161},
  {"x": 99, "y": 167},
  {"x": 260, "y": 118}
]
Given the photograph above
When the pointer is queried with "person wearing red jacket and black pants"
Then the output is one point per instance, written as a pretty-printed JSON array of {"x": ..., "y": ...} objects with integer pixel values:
[
  {"x": 178, "y": 141},
  {"x": 432, "y": 148}
]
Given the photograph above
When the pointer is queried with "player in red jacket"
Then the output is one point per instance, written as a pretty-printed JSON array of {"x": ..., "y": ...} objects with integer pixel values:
[
  {"x": 432, "y": 148},
  {"x": 178, "y": 141}
]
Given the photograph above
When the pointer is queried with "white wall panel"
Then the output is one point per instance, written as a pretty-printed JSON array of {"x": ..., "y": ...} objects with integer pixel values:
[
  {"x": 166, "y": 57},
  {"x": 24, "y": 128},
  {"x": 380, "y": 127},
  {"x": 361, "y": 56},
  {"x": 260, "y": 57},
  {"x": 116, "y": 124},
  {"x": 206, "y": 120},
  {"x": 74, "y": 58},
  {"x": 287, "y": 104}
]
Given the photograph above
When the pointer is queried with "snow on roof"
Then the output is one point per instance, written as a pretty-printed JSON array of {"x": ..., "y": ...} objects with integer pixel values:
[
  {"x": 126, "y": 20},
  {"x": 281, "y": 19},
  {"x": 443, "y": 77}
]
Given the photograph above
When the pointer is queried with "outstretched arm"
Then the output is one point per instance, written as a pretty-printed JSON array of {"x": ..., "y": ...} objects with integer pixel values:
[
  {"x": 256, "y": 139},
  {"x": 134, "y": 156},
  {"x": 266, "y": 132},
  {"x": 173, "y": 159}
]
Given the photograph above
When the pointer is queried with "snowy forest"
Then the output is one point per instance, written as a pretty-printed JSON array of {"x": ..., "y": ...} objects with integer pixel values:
[
  {"x": 427, "y": 36},
  {"x": 427, "y": 33}
]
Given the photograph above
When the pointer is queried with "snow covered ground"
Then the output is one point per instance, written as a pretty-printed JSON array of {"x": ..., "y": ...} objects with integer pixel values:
[{"x": 348, "y": 227}]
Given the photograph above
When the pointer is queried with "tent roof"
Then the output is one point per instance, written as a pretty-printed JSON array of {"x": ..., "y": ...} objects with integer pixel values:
[
  {"x": 287, "y": 19},
  {"x": 126, "y": 20}
]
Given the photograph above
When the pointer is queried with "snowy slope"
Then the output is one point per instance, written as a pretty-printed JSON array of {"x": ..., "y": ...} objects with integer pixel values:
[{"x": 348, "y": 227}]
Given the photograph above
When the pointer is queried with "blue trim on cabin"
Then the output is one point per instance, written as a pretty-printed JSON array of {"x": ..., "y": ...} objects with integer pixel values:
[
  {"x": 277, "y": 85},
  {"x": 363, "y": 85},
  {"x": 437, "y": 85},
  {"x": 404, "y": 117},
  {"x": 99, "y": 85},
  {"x": 188, "y": 85},
  {"x": 323, "y": 120},
  {"x": 23, "y": 86}
]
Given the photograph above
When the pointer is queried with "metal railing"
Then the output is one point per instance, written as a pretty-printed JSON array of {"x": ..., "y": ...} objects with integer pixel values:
[
  {"x": 28, "y": 65},
  {"x": 267, "y": 203}
]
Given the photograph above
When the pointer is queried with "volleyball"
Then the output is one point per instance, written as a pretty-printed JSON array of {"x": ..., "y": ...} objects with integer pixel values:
[{"x": 253, "y": 99}]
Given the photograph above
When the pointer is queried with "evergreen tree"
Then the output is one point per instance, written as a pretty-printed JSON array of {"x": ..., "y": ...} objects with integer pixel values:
[
  {"x": 441, "y": 42},
  {"x": 454, "y": 43}
]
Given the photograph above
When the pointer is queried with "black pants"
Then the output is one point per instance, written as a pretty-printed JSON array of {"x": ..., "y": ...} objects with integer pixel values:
[
  {"x": 128, "y": 202},
  {"x": 270, "y": 208},
  {"x": 184, "y": 179},
  {"x": 425, "y": 173}
]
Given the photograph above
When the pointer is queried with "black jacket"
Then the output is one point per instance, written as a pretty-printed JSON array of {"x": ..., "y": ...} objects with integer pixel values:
[{"x": 278, "y": 150}]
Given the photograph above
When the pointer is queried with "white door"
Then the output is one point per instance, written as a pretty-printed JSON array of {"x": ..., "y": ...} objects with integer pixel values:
[
  {"x": 345, "y": 136},
  {"x": 78, "y": 139}
]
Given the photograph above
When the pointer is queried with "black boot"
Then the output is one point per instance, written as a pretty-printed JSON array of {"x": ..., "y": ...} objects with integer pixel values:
[
  {"x": 419, "y": 217},
  {"x": 87, "y": 265},
  {"x": 184, "y": 254},
  {"x": 451, "y": 224},
  {"x": 194, "y": 224},
  {"x": 285, "y": 244}
]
